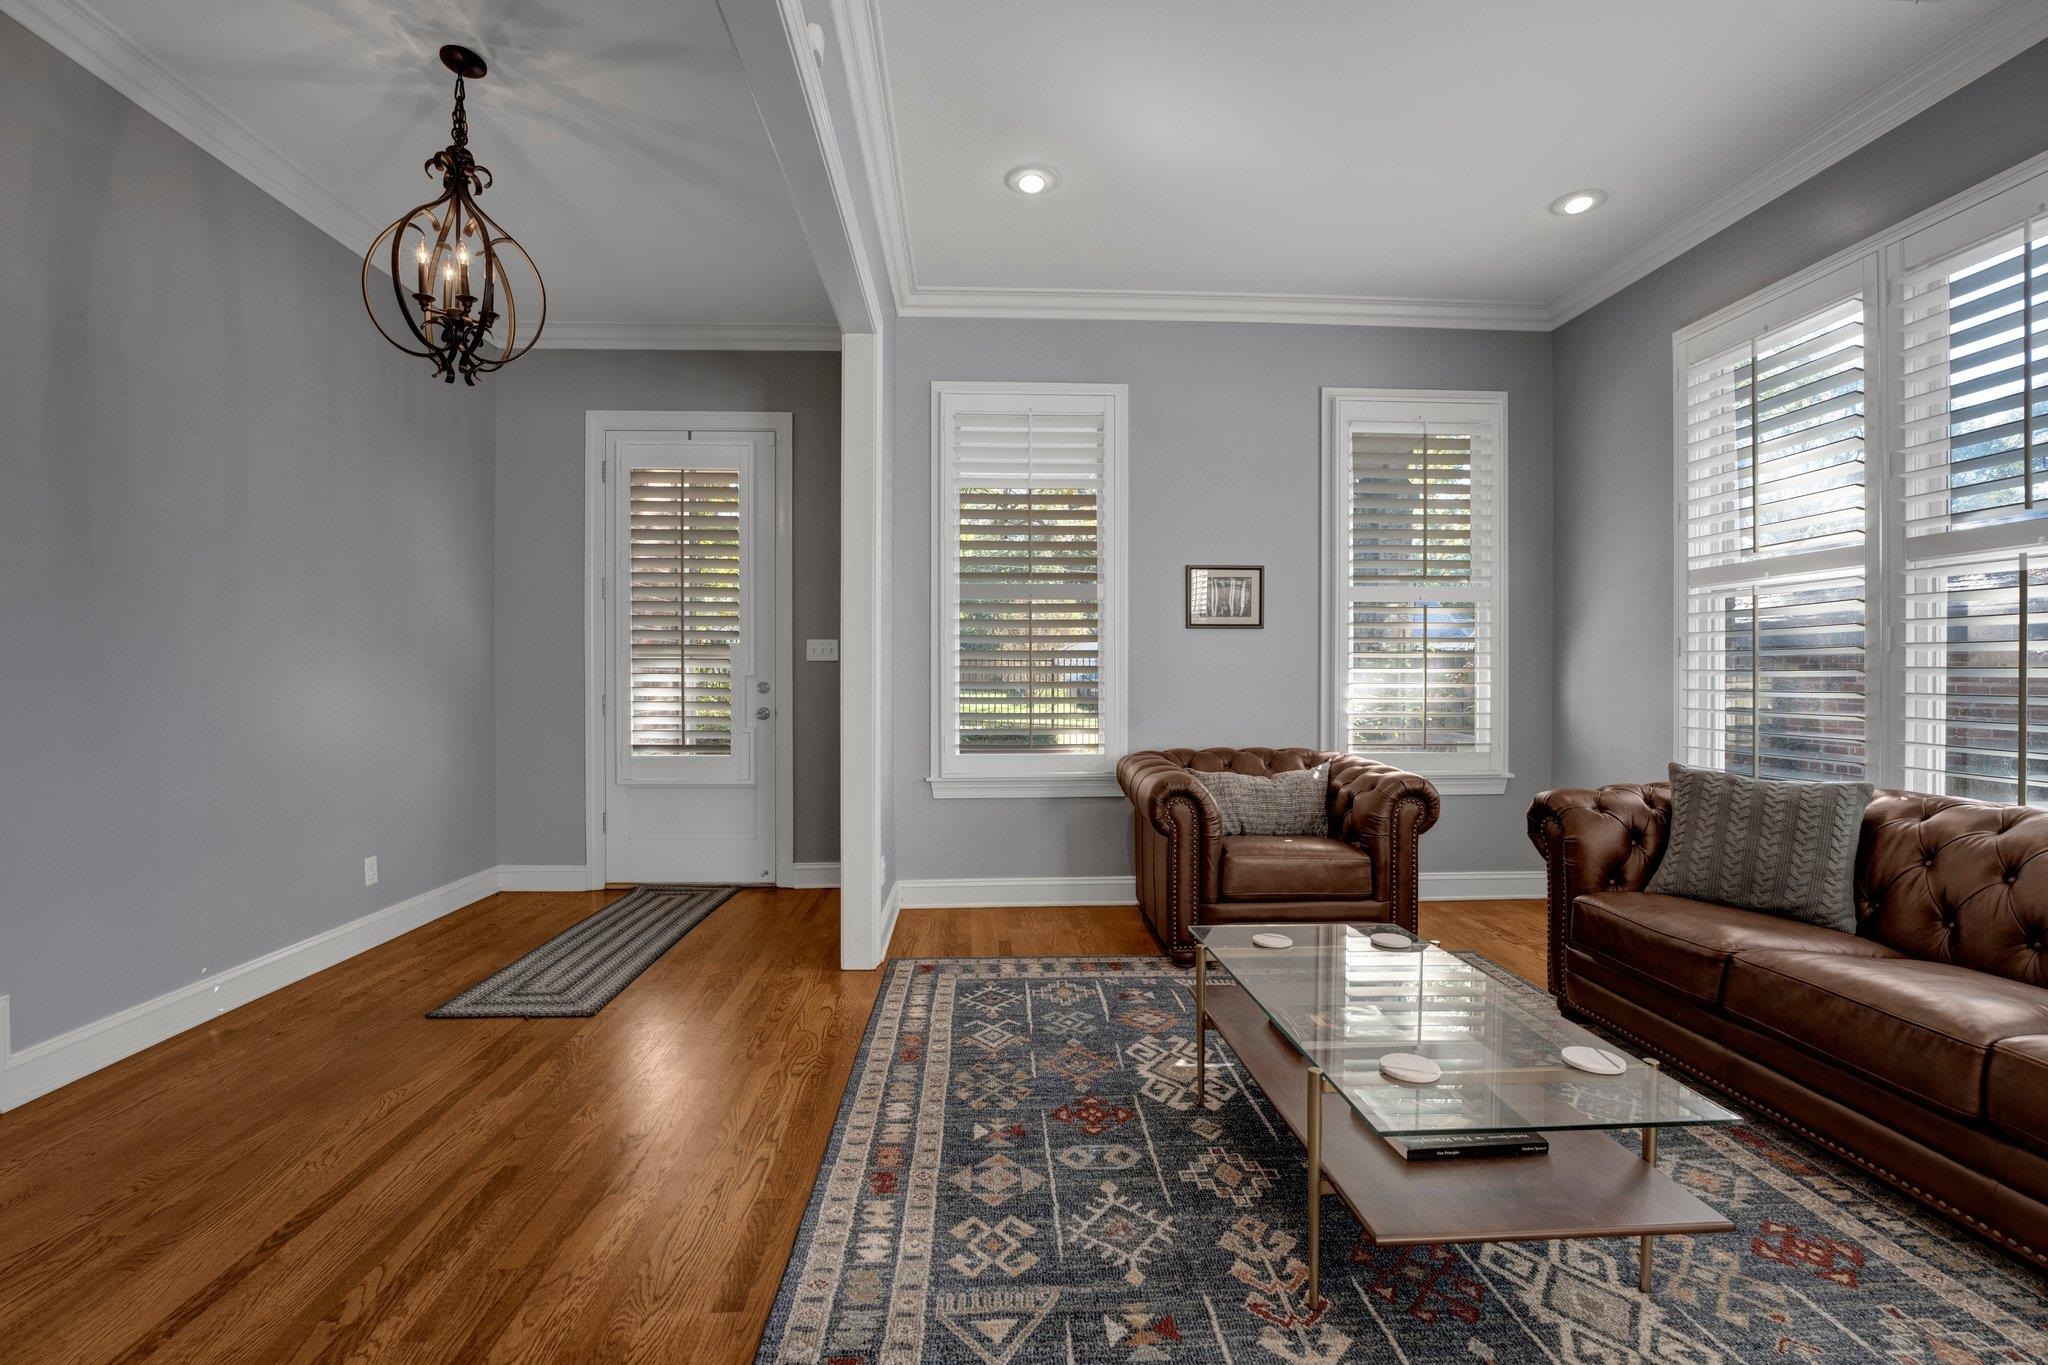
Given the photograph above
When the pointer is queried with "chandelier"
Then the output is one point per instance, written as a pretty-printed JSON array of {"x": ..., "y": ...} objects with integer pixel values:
[{"x": 456, "y": 276}]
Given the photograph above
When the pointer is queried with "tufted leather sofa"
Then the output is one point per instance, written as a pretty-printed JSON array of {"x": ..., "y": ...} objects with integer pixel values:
[
  {"x": 1189, "y": 873},
  {"x": 1916, "y": 1047}
]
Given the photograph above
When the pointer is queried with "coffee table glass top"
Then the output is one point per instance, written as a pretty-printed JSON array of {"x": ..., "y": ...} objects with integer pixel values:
[{"x": 1344, "y": 1003}]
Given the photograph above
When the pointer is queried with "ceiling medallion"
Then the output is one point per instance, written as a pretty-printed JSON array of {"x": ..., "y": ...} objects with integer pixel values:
[{"x": 455, "y": 274}]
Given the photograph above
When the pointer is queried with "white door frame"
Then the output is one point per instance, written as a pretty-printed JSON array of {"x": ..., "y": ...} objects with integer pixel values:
[{"x": 598, "y": 425}]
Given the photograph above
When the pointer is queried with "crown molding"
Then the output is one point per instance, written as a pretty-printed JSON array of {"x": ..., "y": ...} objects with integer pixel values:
[
  {"x": 1190, "y": 306},
  {"x": 81, "y": 34},
  {"x": 858, "y": 24},
  {"x": 1920, "y": 87},
  {"x": 655, "y": 336}
]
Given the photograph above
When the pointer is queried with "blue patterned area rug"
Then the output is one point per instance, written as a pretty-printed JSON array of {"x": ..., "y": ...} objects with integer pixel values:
[{"x": 1018, "y": 1176}]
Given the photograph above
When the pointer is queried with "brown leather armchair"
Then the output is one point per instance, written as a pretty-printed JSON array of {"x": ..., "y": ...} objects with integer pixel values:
[{"x": 1189, "y": 873}]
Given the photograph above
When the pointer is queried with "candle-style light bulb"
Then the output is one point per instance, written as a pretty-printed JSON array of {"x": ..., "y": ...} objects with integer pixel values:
[
  {"x": 462, "y": 260},
  {"x": 447, "y": 286},
  {"x": 420, "y": 255}
]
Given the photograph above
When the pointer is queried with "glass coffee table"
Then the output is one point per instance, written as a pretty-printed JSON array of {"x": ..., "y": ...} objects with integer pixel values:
[{"x": 1310, "y": 1023}]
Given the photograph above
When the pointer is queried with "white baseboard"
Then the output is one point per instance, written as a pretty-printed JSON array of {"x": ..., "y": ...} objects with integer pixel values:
[
  {"x": 58, "y": 1061},
  {"x": 576, "y": 877},
  {"x": 892, "y": 907},
  {"x": 5, "y": 1088},
  {"x": 968, "y": 892},
  {"x": 1482, "y": 886},
  {"x": 964, "y": 892},
  {"x": 801, "y": 875},
  {"x": 543, "y": 877}
]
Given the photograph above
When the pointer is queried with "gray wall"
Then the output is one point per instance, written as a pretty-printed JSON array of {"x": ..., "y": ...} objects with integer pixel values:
[
  {"x": 541, "y": 405},
  {"x": 1225, "y": 466},
  {"x": 245, "y": 570},
  {"x": 1613, "y": 387}
]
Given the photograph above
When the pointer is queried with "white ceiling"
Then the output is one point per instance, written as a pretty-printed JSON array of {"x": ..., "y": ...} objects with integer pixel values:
[
  {"x": 1365, "y": 149},
  {"x": 629, "y": 157},
  {"x": 1317, "y": 160}
]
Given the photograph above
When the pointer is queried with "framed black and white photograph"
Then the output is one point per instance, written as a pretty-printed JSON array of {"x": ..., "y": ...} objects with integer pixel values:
[{"x": 1227, "y": 595}]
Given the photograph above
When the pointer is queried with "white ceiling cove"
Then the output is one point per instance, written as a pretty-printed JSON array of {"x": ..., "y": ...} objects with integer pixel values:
[
  {"x": 1365, "y": 160},
  {"x": 629, "y": 156}
]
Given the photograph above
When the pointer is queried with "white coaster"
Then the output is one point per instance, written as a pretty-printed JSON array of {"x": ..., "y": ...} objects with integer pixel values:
[
  {"x": 1406, "y": 1066},
  {"x": 1272, "y": 940},
  {"x": 1598, "y": 1061},
  {"x": 1387, "y": 939}
]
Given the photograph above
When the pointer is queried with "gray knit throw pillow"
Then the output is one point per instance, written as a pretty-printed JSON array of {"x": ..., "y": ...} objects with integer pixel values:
[
  {"x": 1787, "y": 848},
  {"x": 1285, "y": 803}
]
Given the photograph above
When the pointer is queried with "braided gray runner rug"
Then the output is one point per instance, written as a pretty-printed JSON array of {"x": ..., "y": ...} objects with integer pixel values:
[{"x": 578, "y": 971}]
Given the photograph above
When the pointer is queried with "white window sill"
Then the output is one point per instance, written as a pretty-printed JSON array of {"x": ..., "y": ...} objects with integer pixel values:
[
  {"x": 1011, "y": 788},
  {"x": 1467, "y": 784}
]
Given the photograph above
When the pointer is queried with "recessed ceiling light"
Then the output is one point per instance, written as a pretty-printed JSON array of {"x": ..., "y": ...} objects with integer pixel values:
[
  {"x": 1578, "y": 202},
  {"x": 1032, "y": 179}
]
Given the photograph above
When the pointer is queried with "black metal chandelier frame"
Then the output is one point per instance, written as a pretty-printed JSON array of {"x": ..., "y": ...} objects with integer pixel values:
[{"x": 450, "y": 312}]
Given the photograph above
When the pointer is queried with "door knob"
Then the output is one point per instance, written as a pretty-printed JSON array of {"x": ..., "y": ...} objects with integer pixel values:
[{"x": 762, "y": 713}]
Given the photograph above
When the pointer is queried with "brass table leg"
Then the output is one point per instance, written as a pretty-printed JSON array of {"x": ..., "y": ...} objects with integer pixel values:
[
  {"x": 1312, "y": 1128},
  {"x": 1645, "y": 1254},
  {"x": 1201, "y": 1027}
]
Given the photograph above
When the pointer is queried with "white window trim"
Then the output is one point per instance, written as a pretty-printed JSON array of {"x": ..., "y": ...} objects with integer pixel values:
[
  {"x": 1035, "y": 775},
  {"x": 1485, "y": 774},
  {"x": 1885, "y": 552}
]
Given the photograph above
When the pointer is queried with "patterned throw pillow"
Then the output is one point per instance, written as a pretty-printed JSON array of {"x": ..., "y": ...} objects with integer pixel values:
[
  {"x": 1788, "y": 848},
  {"x": 1285, "y": 803}
]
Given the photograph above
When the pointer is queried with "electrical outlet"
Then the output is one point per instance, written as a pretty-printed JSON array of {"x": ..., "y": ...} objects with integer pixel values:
[
  {"x": 821, "y": 651},
  {"x": 370, "y": 871}
]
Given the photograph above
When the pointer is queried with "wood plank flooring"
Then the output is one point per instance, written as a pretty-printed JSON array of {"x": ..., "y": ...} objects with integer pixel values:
[{"x": 326, "y": 1174}]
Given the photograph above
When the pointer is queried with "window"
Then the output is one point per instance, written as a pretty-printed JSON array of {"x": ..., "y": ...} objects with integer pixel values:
[
  {"x": 1863, "y": 511},
  {"x": 1972, "y": 333},
  {"x": 1415, "y": 635},
  {"x": 1772, "y": 518},
  {"x": 1028, "y": 605}
]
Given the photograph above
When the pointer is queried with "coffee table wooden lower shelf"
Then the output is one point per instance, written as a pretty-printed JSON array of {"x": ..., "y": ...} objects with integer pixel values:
[{"x": 1588, "y": 1185}]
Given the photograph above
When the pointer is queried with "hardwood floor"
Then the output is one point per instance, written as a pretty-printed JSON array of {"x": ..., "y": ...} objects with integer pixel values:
[{"x": 326, "y": 1174}]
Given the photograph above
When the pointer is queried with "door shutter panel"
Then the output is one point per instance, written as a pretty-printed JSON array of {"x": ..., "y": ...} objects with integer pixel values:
[
  {"x": 1973, "y": 332},
  {"x": 685, "y": 559},
  {"x": 1026, "y": 485},
  {"x": 1422, "y": 579}
]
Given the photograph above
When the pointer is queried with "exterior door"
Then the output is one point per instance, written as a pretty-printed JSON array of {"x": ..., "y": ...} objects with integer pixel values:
[{"x": 690, "y": 704}]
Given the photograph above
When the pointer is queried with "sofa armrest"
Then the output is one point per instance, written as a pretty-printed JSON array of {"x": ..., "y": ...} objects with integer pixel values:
[
  {"x": 1385, "y": 810},
  {"x": 1604, "y": 839},
  {"x": 1154, "y": 782}
]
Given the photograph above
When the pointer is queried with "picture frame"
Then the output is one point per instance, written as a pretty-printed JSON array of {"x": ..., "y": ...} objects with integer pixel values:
[{"x": 1226, "y": 596}]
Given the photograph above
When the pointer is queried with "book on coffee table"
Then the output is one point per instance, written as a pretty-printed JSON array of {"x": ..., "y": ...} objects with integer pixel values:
[{"x": 1437, "y": 1146}]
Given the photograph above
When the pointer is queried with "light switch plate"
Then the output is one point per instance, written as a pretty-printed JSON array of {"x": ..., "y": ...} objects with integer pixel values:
[
  {"x": 369, "y": 871},
  {"x": 821, "y": 651}
]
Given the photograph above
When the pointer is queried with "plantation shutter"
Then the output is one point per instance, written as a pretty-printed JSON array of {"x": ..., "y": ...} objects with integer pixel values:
[
  {"x": 1772, "y": 666},
  {"x": 685, "y": 588},
  {"x": 1977, "y": 678},
  {"x": 1421, "y": 601},
  {"x": 1971, "y": 324},
  {"x": 1026, "y": 494},
  {"x": 1973, "y": 336}
]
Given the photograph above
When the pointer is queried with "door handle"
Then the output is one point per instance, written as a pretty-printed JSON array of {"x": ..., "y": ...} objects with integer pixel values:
[{"x": 762, "y": 713}]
